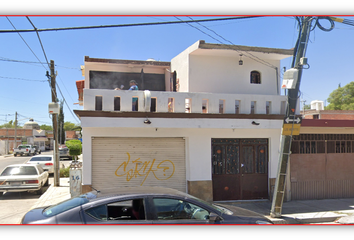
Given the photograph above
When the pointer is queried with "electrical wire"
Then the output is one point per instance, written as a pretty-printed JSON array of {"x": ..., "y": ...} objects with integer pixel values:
[
  {"x": 40, "y": 41},
  {"x": 23, "y": 79},
  {"x": 25, "y": 42},
  {"x": 240, "y": 51},
  {"x": 126, "y": 25}
]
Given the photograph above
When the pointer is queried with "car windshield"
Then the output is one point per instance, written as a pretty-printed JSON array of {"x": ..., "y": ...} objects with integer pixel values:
[
  {"x": 68, "y": 204},
  {"x": 35, "y": 159},
  {"x": 216, "y": 207},
  {"x": 19, "y": 170}
]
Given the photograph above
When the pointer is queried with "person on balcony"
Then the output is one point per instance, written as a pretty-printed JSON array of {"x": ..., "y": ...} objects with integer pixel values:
[{"x": 133, "y": 86}]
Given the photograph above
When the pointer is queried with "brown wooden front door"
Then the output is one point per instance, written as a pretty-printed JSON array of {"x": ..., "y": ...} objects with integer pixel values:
[{"x": 240, "y": 169}]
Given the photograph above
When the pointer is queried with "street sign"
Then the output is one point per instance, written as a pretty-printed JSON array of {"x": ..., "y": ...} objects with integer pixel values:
[
  {"x": 293, "y": 119},
  {"x": 291, "y": 129}
]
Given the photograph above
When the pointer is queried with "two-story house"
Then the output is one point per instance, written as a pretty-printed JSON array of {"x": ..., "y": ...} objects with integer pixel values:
[{"x": 208, "y": 123}]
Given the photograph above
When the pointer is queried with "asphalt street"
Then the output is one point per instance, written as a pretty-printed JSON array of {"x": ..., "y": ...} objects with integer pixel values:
[{"x": 14, "y": 205}]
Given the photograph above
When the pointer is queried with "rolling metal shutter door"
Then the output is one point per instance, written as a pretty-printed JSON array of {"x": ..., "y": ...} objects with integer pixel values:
[{"x": 126, "y": 162}]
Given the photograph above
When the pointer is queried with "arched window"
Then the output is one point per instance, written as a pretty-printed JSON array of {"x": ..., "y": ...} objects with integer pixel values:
[{"x": 255, "y": 77}]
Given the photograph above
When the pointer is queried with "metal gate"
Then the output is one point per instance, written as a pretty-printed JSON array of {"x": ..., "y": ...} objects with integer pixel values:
[
  {"x": 127, "y": 162},
  {"x": 240, "y": 169}
]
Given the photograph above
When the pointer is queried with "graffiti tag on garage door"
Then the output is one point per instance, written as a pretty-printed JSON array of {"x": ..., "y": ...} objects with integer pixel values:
[{"x": 143, "y": 169}]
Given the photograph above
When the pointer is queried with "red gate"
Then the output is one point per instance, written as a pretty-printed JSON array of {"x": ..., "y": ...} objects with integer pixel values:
[{"x": 240, "y": 169}]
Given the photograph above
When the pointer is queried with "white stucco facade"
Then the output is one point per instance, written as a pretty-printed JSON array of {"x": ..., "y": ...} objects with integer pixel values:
[
  {"x": 198, "y": 134},
  {"x": 214, "y": 99}
]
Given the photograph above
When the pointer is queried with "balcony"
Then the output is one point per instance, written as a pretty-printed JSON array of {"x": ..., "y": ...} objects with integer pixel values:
[{"x": 183, "y": 102}]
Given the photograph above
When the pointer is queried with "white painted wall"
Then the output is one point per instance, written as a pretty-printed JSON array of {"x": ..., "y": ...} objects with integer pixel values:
[
  {"x": 179, "y": 101},
  {"x": 225, "y": 75},
  {"x": 218, "y": 71},
  {"x": 198, "y": 135}
]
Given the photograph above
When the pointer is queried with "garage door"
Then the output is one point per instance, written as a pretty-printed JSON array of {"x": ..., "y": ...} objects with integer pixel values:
[{"x": 121, "y": 162}]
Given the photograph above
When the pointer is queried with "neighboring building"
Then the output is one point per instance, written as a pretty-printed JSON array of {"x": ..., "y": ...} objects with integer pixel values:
[
  {"x": 8, "y": 134},
  {"x": 321, "y": 164},
  {"x": 71, "y": 135},
  {"x": 321, "y": 160},
  {"x": 207, "y": 126},
  {"x": 30, "y": 133}
]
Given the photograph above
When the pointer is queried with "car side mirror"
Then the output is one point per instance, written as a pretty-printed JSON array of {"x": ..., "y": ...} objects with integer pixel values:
[{"x": 213, "y": 218}]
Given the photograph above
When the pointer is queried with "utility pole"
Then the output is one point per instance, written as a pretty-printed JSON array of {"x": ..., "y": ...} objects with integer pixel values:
[
  {"x": 55, "y": 127},
  {"x": 280, "y": 183},
  {"x": 15, "y": 144}
]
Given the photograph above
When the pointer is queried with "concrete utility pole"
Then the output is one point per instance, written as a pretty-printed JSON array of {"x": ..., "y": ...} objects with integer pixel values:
[
  {"x": 55, "y": 127},
  {"x": 280, "y": 183},
  {"x": 15, "y": 145}
]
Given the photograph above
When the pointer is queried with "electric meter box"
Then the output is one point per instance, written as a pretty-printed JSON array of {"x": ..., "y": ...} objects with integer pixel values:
[
  {"x": 290, "y": 78},
  {"x": 53, "y": 108}
]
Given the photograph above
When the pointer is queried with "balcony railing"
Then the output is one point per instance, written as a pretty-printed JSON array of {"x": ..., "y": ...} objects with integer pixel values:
[{"x": 183, "y": 102}]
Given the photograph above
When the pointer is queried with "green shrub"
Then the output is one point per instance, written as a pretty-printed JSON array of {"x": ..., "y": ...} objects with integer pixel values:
[
  {"x": 64, "y": 172},
  {"x": 74, "y": 146}
]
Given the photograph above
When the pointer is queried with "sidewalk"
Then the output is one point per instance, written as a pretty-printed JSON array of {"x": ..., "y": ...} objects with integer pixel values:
[
  {"x": 324, "y": 211},
  {"x": 54, "y": 195}
]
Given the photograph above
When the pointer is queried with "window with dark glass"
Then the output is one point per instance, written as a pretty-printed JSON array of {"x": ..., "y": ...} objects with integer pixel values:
[
  {"x": 98, "y": 103},
  {"x": 255, "y": 77}
]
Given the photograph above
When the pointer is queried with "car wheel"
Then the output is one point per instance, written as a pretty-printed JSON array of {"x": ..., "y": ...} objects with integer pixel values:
[{"x": 46, "y": 183}]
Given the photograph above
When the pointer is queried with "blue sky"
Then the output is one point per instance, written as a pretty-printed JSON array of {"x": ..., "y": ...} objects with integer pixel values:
[{"x": 24, "y": 87}]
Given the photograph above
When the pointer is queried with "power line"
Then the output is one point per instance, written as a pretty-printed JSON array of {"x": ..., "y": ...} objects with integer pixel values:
[
  {"x": 125, "y": 25},
  {"x": 23, "y": 79},
  {"x": 25, "y": 41},
  {"x": 31, "y": 62},
  {"x": 45, "y": 55},
  {"x": 259, "y": 60}
]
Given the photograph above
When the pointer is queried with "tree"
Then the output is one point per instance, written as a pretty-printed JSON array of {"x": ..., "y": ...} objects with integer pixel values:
[
  {"x": 69, "y": 126},
  {"x": 10, "y": 124},
  {"x": 342, "y": 98},
  {"x": 75, "y": 148},
  {"x": 46, "y": 127},
  {"x": 307, "y": 106},
  {"x": 61, "y": 124}
]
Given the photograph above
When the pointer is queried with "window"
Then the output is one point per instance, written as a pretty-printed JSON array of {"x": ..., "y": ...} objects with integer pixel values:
[
  {"x": 255, "y": 77},
  {"x": 268, "y": 107},
  {"x": 205, "y": 104},
  {"x": 21, "y": 170},
  {"x": 172, "y": 209},
  {"x": 322, "y": 143},
  {"x": 116, "y": 103},
  {"x": 188, "y": 104},
  {"x": 153, "y": 105},
  {"x": 237, "y": 106},
  {"x": 221, "y": 105},
  {"x": 253, "y": 107},
  {"x": 282, "y": 107},
  {"x": 171, "y": 105},
  {"x": 123, "y": 210},
  {"x": 98, "y": 103}
]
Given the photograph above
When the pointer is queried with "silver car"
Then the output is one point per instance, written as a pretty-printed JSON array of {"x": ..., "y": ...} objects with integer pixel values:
[
  {"x": 64, "y": 153},
  {"x": 45, "y": 161},
  {"x": 23, "y": 178}
]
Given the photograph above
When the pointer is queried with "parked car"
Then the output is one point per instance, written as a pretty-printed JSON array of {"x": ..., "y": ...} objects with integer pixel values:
[
  {"x": 23, "y": 178},
  {"x": 64, "y": 152},
  {"x": 45, "y": 161},
  {"x": 21, "y": 150},
  {"x": 140, "y": 205}
]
